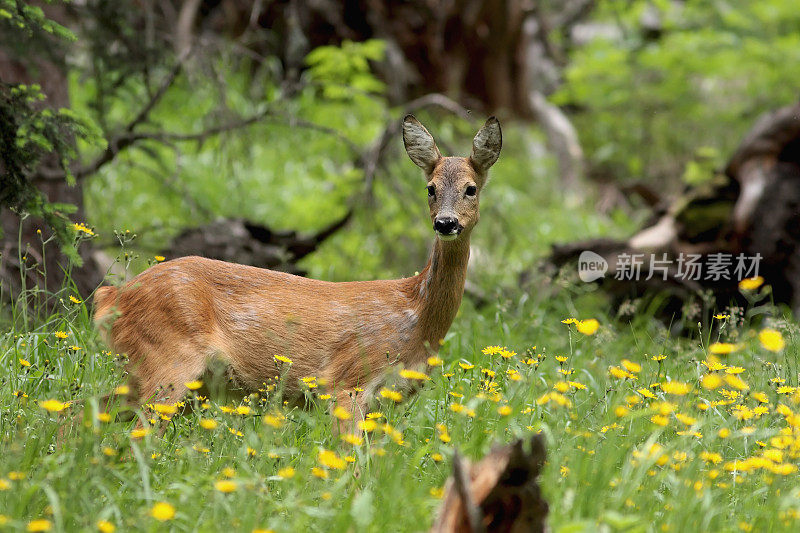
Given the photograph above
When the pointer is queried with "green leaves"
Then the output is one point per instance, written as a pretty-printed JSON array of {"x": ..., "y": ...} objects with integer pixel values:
[
  {"x": 341, "y": 71},
  {"x": 649, "y": 101}
]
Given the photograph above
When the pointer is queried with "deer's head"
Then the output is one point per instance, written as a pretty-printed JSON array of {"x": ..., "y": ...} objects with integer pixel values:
[{"x": 454, "y": 183}]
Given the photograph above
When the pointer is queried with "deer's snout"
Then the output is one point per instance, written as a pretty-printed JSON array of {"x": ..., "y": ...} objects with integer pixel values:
[{"x": 446, "y": 226}]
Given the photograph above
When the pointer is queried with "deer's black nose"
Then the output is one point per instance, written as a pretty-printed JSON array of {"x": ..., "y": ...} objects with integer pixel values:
[{"x": 446, "y": 225}]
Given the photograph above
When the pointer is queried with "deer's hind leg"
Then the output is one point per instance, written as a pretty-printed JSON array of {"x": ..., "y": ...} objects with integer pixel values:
[{"x": 159, "y": 380}]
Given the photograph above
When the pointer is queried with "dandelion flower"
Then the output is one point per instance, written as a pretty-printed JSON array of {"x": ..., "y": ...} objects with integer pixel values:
[
  {"x": 162, "y": 511},
  {"x": 275, "y": 421},
  {"x": 587, "y": 327},
  {"x": 466, "y": 366},
  {"x": 209, "y": 424},
  {"x": 39, "y": 525},
  {"x": 413, "y": 374},
  {"x": 54, "y": 406},
  {"x": 434, "y": 361},
  {"x": 226, "y": 486},
  {"x": 751, "y": 284},
  {"x": 341, "y": 413},
  {"x": 194, "y": 385},
  {"x": 355, "y": 440},
  {"x": 80, "y": 227},
  {"x": 104, "y": 526},
  {"x": 367, "y": 425},
  {"x": 24, "y": 362},
  {"x": 675, "y": 387},
  {"x": 630, "y": 366},
  {"x": 122, "y": 390},
  {"x": 139, "y": 433},
  {"x": 319, "y": 472},
  {"x": 165, "y": 408},
  {"x": 61, "y": 334},
  {"x": 505, "y": 410},
  {"x": 391, "y": 394},
  {"x": 723, "y": 348},
  {"x": 286, "y": 472},
  {"x": 711, "y": 381},
  {"x": 159, "y": 258},
  {"x": 771, "y": 339},
  {"x": 330, "y": 459},
  {"x": 283, "y": 359}
]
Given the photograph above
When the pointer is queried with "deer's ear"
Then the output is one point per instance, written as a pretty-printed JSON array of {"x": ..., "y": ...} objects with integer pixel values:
[
  {"x": 486, "y": 146},
  {"x": 420, "y": 146}
]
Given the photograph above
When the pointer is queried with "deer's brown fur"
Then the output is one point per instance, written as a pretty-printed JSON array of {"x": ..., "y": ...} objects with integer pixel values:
[{"x": 175, "y": 318}]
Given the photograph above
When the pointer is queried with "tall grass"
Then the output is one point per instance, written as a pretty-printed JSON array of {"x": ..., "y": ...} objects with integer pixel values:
[{"x": 627, "y": 451}]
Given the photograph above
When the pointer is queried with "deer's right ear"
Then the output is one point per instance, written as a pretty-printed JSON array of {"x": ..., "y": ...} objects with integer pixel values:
[{"x": 420, "y": 146}]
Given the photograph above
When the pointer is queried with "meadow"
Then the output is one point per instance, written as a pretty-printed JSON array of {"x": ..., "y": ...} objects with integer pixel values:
[
  {"x": 645, "y": 431},
  {"x": 652, "y": 423}
]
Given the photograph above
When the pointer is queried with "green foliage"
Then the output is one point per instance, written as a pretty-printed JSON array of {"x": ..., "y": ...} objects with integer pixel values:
[
  {"x": 648, "y": 103},
  {"x": 29, "y": 131},
  {"x": 344, "y": 71}
]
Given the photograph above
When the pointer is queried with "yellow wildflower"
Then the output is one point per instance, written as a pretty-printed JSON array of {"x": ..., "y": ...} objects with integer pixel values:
[
  {"x": 771, "y": 339},
  {"x": 751, "y": 284},
  {"x": 711, "y": 381},
  {"x": 675, "y": 387},
  {"x": 162, "y": 511},
  {"x": 367, "y": 425},
  {"x": 630, "y": 366},
  {"x": 54, "y": 406},
  {"x": 330, "y": 459},
  {"x": 225, "y": 486},
  {"x": 587, "y": 327},
  {"x": 104, "y": 526},
  {"x": 39, "y": 525},
  {"x": 286, "y": 472},
  {"x": 413, "y": 374},
  {"x": 194, "y": 385},
  {"x": 723, "y": 348},
  {"x": 391, "y": 394},
  {"x": 283, "y": 359},
  {"x": 209, "y": 424}
]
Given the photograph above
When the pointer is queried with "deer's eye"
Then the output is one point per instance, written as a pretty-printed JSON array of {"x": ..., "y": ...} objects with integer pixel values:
[
  {"x": 472, "y": 190},
  {"x": 431, "y": 190}
]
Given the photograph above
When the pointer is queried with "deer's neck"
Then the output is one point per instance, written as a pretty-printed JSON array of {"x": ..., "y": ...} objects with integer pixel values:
[{"x": 439, "y": 288}]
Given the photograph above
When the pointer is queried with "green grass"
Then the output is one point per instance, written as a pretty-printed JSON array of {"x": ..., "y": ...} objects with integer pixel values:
[{"x": 606, "y": 465}]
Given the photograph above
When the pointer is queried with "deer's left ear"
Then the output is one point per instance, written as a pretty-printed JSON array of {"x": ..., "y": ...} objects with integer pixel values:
[{"x": 486, "y": 146}]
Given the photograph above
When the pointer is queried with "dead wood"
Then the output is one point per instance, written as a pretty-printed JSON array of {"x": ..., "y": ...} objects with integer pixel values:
[
  {"x": 498, "y": 494},
  {"x": 752, "y": 209}
]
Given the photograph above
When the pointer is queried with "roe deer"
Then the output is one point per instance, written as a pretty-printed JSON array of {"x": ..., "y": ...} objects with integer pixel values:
[{"x": 177, "y": 317}]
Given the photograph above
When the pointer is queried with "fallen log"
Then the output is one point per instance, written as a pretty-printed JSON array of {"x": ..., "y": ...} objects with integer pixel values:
[
  {"x": 742, "y": 223},
  {"x": 241, "y": 241},
  {"x": 500, "y": 493}
]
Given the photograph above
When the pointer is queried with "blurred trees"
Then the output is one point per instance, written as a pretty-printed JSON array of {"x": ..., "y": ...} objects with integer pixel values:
[{"x": 281, "y": 113}]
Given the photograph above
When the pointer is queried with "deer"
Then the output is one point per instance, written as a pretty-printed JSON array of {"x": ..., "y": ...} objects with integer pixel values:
[{"x": 180, "y": 318}]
